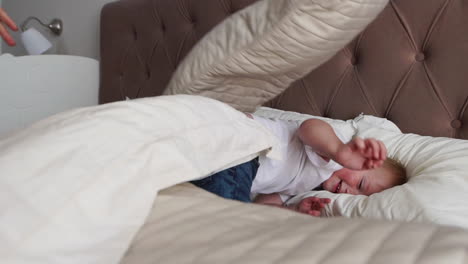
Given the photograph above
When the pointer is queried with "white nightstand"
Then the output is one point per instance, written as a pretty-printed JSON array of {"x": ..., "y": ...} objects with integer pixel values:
[{"x": 35, "y": 87}]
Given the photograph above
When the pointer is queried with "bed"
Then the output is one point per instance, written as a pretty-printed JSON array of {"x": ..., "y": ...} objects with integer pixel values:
[
  {"x": 112, "y": 187},
  {"x": 407, "y": 66}
]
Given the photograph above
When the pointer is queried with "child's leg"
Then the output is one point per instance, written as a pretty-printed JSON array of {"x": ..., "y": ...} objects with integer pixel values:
[{"x": 233, "y": 183}]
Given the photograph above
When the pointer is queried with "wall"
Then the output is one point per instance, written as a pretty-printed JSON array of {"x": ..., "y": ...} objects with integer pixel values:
[{"x": 80, "y": 23}]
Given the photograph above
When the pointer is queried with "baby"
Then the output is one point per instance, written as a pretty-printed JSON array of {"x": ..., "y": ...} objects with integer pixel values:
[{"x": 314, "y": 155}]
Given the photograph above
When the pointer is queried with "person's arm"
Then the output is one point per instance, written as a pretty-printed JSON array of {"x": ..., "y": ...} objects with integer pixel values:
[
  {"x": 321, "y": 137},
  {"x": 309, "y": 205},
  {"x": 272, "y": 199},
  {"x": 358, "y": 154},
  {"x": 7, "y": 22}
]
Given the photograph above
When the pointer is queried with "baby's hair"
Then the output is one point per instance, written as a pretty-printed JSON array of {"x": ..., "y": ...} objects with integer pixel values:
[{"x": 398, "y": 169}]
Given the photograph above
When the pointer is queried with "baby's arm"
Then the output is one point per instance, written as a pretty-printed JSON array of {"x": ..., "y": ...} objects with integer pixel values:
[
  {"x": 309, "y": 205},
  {"x": 273, "y": 199},
  {"x": 358, "y": 154}
]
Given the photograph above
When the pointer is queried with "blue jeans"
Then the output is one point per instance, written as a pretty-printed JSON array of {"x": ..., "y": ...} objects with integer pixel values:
[{"x": 233, "y": 183}]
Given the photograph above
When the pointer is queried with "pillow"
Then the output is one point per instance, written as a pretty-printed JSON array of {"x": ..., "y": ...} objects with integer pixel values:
[
  {"x": 437, "y": 187},
  {"x": 76, "y": 187},
  {"x": 437, "y": 168},
  {"x": 348, "y": 128},
  {"x": 259, "y": 51}
]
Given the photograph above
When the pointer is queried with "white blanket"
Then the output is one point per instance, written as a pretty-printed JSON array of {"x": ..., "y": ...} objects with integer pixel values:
[{"x": 75, "y": 188}]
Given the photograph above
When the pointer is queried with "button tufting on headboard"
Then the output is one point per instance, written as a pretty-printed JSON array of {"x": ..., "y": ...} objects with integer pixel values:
[
  {"x": 420, "y": 57},
  {"x": 408, "y": 66},
  {"x": 456, "y": 124}
]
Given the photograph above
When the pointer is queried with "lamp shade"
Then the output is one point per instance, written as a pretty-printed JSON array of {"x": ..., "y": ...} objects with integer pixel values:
[{"x": 34, "y": 42}]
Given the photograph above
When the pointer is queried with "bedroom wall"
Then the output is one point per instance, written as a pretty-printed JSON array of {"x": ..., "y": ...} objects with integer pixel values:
[{"x": 80, "y": 18}]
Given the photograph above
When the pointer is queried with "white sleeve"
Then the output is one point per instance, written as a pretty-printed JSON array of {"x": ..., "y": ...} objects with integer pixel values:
[
  {"x": 319, "y": 162},
  {"x": 284, "y": 197}
]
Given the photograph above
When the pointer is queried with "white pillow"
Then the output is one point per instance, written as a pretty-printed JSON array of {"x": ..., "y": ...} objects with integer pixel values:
[
  {"x": 258, "y": 52},
  {"x": 437, "y": 188},
  {"x": 347, "y": 128},
  {"x": 76, "y": 187}
]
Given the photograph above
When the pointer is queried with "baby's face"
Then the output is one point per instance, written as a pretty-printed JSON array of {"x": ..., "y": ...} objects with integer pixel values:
[{"x": 365, "y": 182}]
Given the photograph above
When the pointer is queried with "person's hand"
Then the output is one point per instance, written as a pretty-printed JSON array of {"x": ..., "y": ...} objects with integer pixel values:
[
  {"x": 312, "y": 205},
  {"x": 5, "y": 23},
  {"x": 362, "y": 154}
]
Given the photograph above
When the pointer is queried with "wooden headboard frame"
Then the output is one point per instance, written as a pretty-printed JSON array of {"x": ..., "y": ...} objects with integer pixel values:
[{"x": 410, "y": 65}]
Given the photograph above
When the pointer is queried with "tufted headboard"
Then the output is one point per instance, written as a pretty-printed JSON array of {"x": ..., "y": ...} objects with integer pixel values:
[{"x": 410, "y": 65}]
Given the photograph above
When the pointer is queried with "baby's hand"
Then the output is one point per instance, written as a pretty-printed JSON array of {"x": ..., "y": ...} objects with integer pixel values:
[
  {"x": 312, "y": 205},
  {"x": 362, "y": 154}
]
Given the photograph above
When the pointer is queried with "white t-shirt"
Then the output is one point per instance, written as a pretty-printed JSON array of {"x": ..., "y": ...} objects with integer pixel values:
[{"x": 300, "y": 170}]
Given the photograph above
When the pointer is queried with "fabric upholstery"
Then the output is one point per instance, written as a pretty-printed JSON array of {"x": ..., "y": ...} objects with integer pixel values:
[{"x": 408, "y": 66}]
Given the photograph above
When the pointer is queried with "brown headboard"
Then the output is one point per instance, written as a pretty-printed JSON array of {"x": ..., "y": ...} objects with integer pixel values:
[{"x": 410, "y": 65}]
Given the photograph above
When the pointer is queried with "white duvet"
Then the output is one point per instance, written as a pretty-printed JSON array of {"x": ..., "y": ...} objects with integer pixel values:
[{"x": 76, "y": 187}]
